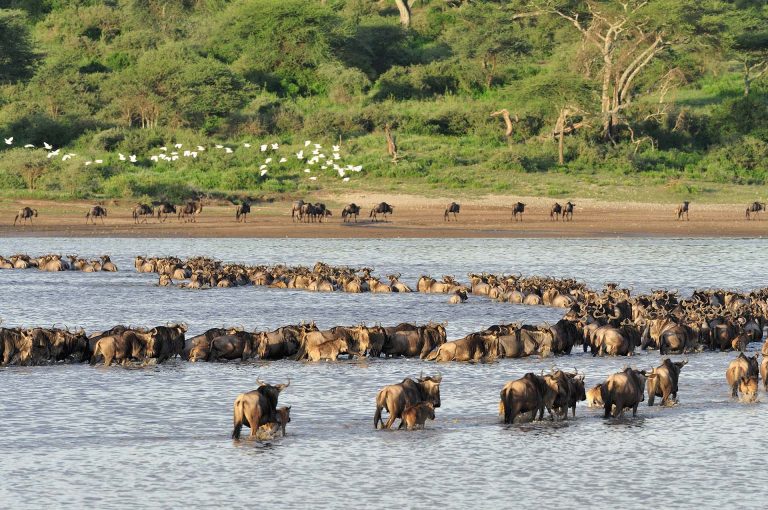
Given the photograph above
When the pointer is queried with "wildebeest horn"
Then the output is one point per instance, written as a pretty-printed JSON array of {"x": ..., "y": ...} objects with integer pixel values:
[{"x": 260, "y": 382}]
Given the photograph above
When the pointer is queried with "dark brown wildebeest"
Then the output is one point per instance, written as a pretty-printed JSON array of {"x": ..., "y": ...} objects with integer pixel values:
[
  {"x": 624, "y": 390},
  {"x": 107, "y": 264},
  {"x": 739, "y": 370},
  {"x": 142, "y": 211},
  {"x": 165, "y": 342},
  {"x": 662, "y": 381},
  {"x": 522, "y": 396},
  {"x": 199, "y": 347},
  {"x": 279, "y": 344},
  {"x": 396, "y": 398},
  {"x": 25, "y": 213},
  {"x": 296, "y": 210},
  {"x": 555, "y": 212},
  {"x": 97, "y": 211},
  {"x": 453, "y": 208},
  {"x": 755, "y": 208},
  {"x": 518, "y": 208},
  {"x": 568, "y": 211},
  {"x": 163, "y": 210},
  {"x": 350, "y": 210},
  {"x": 411, "y": 341},
  {"x": 383, "y": 208},
  {"x": 190, "y": 211},
  {"x": 682, "y": 210},
  {"x": 237, "y": 345},
  {"x": 416, "y": 416},
  {"x": 256, "y": 408},
  {"x": 242, "y": 212}
]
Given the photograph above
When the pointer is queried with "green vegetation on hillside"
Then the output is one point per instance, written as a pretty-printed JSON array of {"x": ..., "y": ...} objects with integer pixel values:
[{"x": 604, "y": 97}]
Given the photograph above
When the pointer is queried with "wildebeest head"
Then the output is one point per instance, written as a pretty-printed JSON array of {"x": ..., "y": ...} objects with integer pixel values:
[
  {"x": 430, "y": 389},
  {"x": 271, "y": 391},
  {"x": 748, "y": 388}
]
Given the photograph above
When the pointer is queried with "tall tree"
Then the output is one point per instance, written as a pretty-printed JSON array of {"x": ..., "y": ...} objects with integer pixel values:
[
  {"x": 17, "y": 54},
  {"x": 626, "y": 41}
]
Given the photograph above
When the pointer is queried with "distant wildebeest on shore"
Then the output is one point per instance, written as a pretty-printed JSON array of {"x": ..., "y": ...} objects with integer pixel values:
[
  {"x": 349, "y": 211},
  {"x": 555, "y": 212},
  {"x": 242, "y": 211},
  {"x": 190, "y": 211},
  {"x": 97, "y": 211},
  {"x": 754, "y": 208},
  {"x": 453, "y": 208},
  {"x": 25, "y": 214},
  {"x": 682, "y": 210},
  {"x": 383, "y": 208},
  {"x": 568, "y": 211},
  {"x": 518, "y": 208},
  {"x": 163, "y": 210},
  {"x": 142, "y": 211}
]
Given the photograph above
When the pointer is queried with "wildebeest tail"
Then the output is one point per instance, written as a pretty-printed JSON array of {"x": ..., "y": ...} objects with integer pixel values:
[
  {"x": 379, "y": 406},
  {"x": 238, "y": 419}
]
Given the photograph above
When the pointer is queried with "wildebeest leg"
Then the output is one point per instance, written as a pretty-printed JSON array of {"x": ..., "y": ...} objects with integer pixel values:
[
  {"x": 391, "y": 420},
  {"x": 735, "y": 390},
  {"x": 253, "y": 421},
  {"x": 634, "y": 410}
]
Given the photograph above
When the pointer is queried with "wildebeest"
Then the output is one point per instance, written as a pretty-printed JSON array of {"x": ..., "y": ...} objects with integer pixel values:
[
  {"x": 190, "y": 211},
  {"x": 163, "y": 210},
  {"x": 119, "y": 347},
  {"x": 518, "y": 208},
  {"x": 383, "y": 208},
  {"x": 349, "y": 211},
  {"x": 555, "y": 212},
  {"x": 473, "y": 347},
  {"x": 662, "y": 381},
  {"x": 97, "y": 211},
  {"x": 25, "y": 213},
  {"x": 199, "y": 347},
  {"x": 142, "y": 211},
  {"x": 416, "y": 416},
  {"x": 754, "y": 208},
  {"x": 682, "y": 210},
  {"x": 595, "y": 396},
  {"x": 568, "y": 211},
  {"x": 328, "y": 345},
  {"x": 236, "y": 345},
  {"x": 524, "y": 395},
  {"x": 296, "y": 210},
  {"x": 242, "y": 212},
  {"x": 459, "y": 296},
  {"x": 256, "y": 408},
  {"x": 396, "y": 398},
  {"x": 624, "y": 390},
  {"x": 453, "y": 208},
  {"x": 740, "y": 371}
]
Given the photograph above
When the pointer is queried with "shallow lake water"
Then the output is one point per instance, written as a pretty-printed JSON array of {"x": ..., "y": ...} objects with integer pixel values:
[{"x": 158, "y": 436}]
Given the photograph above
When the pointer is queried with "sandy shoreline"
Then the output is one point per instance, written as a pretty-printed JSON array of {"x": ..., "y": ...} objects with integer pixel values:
[{"x": 414, "y": 217}]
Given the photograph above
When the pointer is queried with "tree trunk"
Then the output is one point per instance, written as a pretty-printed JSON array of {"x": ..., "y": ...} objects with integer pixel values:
[
  {"x": 391, "y": 145},
  {"x": 507, "y": 120},
  {"x": 405, "y": 12}
]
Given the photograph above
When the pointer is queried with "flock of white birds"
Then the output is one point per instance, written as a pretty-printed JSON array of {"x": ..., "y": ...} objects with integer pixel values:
[{"x": 311, "y": 154}]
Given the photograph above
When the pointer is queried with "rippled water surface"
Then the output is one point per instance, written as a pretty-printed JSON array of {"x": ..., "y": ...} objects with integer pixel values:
[{"x": 78, "y": 436}]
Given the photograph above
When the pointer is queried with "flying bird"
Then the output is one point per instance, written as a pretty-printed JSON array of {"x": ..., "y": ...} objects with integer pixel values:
[
  {"x": 263, "y": 148},
  {"x": 47, "y": 146},
  {"x": 121, "y": 156},
  {"x": 8, "y": 141},
  {"x": 275, "y": 146}
]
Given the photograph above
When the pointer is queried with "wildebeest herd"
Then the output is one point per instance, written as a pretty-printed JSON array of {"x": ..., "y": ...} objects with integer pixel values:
[
  {"x": 55, "y": 262},
  {"x": 317, "y": 212},
  {"x": 606, "y": 322}
]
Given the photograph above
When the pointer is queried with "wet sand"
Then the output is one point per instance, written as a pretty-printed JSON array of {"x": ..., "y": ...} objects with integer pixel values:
[{"x": 414, "y": 217}]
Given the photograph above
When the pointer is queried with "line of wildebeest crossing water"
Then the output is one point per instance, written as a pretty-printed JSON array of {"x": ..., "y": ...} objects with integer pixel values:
[{"x": 606, "y": 322}]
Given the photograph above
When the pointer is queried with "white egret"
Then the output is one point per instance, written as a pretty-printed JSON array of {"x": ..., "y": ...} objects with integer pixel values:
[
  {"x": 336, "y": 148},
  {"x": 163, "y": 148},
  {"x": 247, "y": 145},
  {"x": 132, "y": 158},
  {"x": 218, "y": 146},
  {"x": 88, "y": 163},
  {"x": 200, "y": 148},
  {"x": 98, "y": 161},
  {"x": 306, "y": 144},
  {"x": 120, "y": 156},
  {"x": 29, "y": 146},
  {"x": 262, "y": 167},
  {"x": 318, "y": 146},
  {"x": 313, "y": 178},
  {"x": 47, "y": 146},
  {"x": 268, "y": 161},
  {"x": 263, "y": 148},
  {"x": 283, "y": 160},
  {"x": 307, "y": 170},
  {"x": 53, "y": 153},
  {"x": 345, "y": 179},
  {"x": 300, "y": 155},
  {"x": 263, "y": 173},
  {"x": 227, "y": 150},
  {"x": 154, "y": 158},
  {"x": 8, "y": 141},
  {"x": 178, "y": 146},
  {"x": 275, "y": 146},
  {"x": 336, "y": 155}
]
